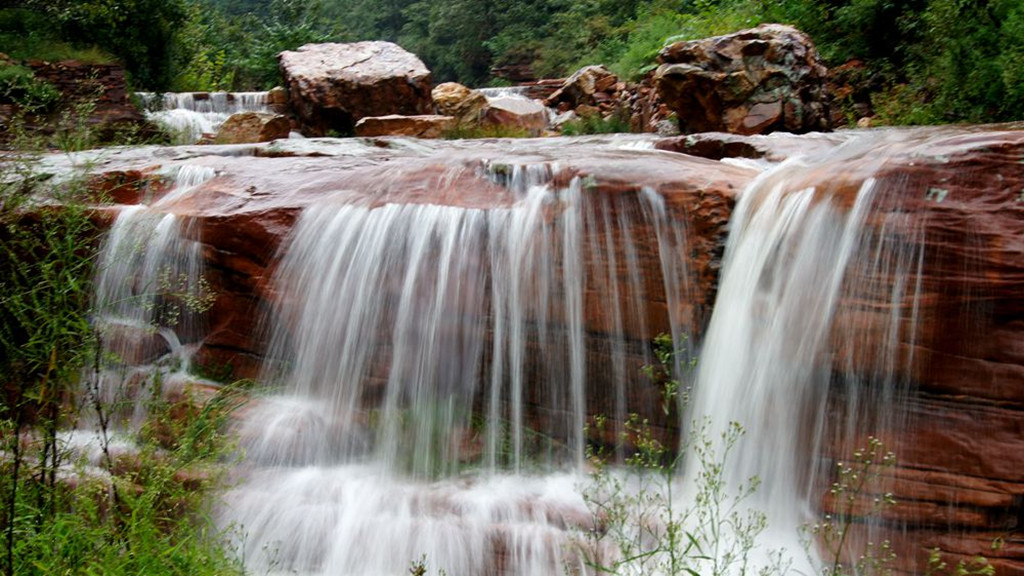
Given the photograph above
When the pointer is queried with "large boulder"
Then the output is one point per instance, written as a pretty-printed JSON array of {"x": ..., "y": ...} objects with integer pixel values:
[
  {"x": 462, "y": 103},
  {"x": 751, "y": 82},
  {"x": 332, "y": 86},
  {"x": 251, "y": 127},
  {"x": 396, "y": 125},
  {"x": 517, "y": 114}
]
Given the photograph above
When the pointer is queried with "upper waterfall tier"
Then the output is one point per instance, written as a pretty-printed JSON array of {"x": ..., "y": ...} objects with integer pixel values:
[{"x": 189, "y": 115}]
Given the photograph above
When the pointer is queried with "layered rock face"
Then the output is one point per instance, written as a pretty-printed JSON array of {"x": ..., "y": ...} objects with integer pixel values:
[
  {"x": 953, "y": 208},
  {"x": 947, "y": 215},
  {"x": 332, "y": 86},
  {"x": 754, "y": 81}
]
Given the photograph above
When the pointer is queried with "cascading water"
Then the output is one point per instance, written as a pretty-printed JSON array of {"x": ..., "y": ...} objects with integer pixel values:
[
  {"x": 189, "y": 115},
  {"x": 149, "y": 284},
  {"x": 422, "y": 342},
  {"x": 775, "y": 357}
]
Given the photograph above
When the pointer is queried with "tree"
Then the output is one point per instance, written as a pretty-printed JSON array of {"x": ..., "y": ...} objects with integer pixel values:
[{"x": 140, "y": 33}]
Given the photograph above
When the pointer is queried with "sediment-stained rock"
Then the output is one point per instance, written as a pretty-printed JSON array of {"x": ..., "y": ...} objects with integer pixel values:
[
  {"x": 427, "y": 126},
  {"x": 251, "y": 127}
]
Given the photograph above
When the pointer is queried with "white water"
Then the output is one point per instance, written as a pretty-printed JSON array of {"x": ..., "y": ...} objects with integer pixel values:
[
  {"x": 188, "y": 117},
  {"x": 772, "y": 354},
  {"x": 406, "y": 320},
  {"x": 503, "y": 92},
  {"x": 148, "y": 279}
]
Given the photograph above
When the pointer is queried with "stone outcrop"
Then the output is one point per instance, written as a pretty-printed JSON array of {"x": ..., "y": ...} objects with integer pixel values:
[
  {"x": 426, "y": 126},
  {"x": 277, "y": 100},
  {"x": 458, "y": 101},
  {"x": 754, "y": 81},
  {"x": 332, "y": 86},
  {"x": 252, "y": 127}
]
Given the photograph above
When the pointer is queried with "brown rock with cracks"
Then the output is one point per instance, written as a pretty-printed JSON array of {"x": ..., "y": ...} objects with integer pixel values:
[
  {"x": 332, "y": 86},
  {"x": 458, "y": 101},
  {"x": 582, "y": 86},
  {"x": 754, "y": 81}
]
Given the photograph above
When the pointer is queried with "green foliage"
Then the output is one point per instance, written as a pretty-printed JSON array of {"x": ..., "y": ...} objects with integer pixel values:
[
  {"x": 596, "y": 124},
  {"x": 855, "y": 482},
  {"x": 958, "y": 60},
  {"x": 29, "y": 34},
  {"x": 972, "y": 51},
  {"x": 977, "y": 566},
  {"x": 145, "y": 515},
  {"x": 142, "y": 34},
  {"x": 68, "y": 510},
  {"x": 20, "y": 86},
  {"x": 644, "y": 526}
]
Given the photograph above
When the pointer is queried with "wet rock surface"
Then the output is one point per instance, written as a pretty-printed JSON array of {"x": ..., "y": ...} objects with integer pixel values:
[
  {"x": 754, "y": 81},
  {"x": 515, "y": 114},
  {"x": 332, "y": 86},
  {"x": 426, "y": 126}
]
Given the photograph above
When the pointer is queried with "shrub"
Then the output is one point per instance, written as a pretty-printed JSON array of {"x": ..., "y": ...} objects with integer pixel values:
[
  {"x": 68, "y": 509},
  {"x": 20, "y": 86}
]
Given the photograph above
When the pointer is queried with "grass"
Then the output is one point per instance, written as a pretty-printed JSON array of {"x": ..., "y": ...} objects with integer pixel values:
[
  {"x": 28, "y": 35},
  {"x": 136, "y": 506},
  {"x": 595, "y": 124},
  {"x": 477, "y": 132}
]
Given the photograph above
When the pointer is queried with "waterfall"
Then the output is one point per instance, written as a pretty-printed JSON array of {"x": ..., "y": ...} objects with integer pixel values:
[
  {"x": 434, "y": 363},
  {"x": 436, "y": 354},
  {"x": 149, "y": 282},
  {"x": 778, "y": 358},
  {"x": 187, "y": 115}
]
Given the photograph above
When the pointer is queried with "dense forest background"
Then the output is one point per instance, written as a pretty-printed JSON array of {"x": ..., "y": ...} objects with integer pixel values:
[{"x": 924, "y": 61}]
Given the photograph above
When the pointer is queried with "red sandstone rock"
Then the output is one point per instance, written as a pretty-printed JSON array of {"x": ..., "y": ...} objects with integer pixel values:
[
  {"x": 582, "y": 86},
  {"x": 517, "y": 113},
  {"x": 951, "y": 196}
]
